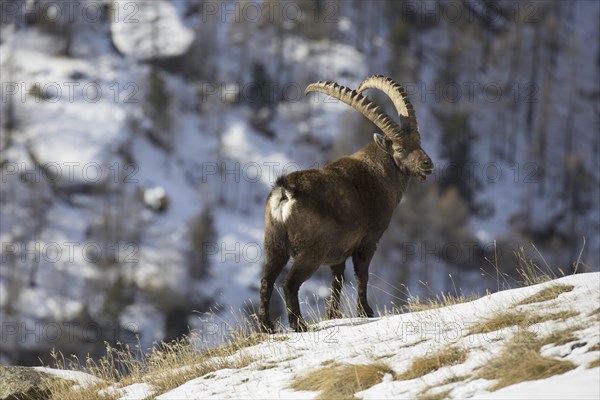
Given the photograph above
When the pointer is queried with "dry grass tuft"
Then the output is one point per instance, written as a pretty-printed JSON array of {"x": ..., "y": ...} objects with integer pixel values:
[
  {"x": 341, "y": 381},
  {"x": 529, "y": 270},
  {"x": 168, "y": 380},
  {"x": 164, "y": 367},
  {"x": 595, "y": 347},
  {"x": 595, "y": 363},
  {"x": 424, "y": 395},
  {"x": 179, "y": 361},
  {"x": 546, "y": 294},
  {"x": 434, "y": 396},
  {"x": 107, "y": 369},
  {"x": 263, "y": 366},
  {"x": 424, "y": 365},
  {"x": 499, "y": 321},
  {"x": 558, "y": 338},
  {"x": 444, "y": 300},
  {"x": 241, "y": 340},
  {"x": 454, "y": 379},
  {"x": 557, "y": 316},
  {"x": 65, "y": 390},
  {"x": 521, "y": 319},
  {"x": 519, "y": 361}
]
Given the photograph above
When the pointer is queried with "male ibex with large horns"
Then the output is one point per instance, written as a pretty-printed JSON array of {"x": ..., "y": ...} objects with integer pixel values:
[{"x": 323, "y": 216}]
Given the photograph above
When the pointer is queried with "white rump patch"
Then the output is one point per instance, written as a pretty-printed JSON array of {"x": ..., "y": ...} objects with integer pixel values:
[{"x": 280, "y": 207}]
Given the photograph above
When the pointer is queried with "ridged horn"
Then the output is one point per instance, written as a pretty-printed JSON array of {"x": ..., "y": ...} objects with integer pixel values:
[
  {"x": 360, "y": 103},
  {"x": 396, "y": 93}
]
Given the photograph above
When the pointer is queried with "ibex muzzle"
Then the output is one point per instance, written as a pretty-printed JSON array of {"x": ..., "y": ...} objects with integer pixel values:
[{"x": 324, "y": 216}]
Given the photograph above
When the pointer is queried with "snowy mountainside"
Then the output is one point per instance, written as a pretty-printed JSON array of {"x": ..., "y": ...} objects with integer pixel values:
[
  {"x": 398, "y": 341},
  {"x": 125, "y": 112},
  {"x": 88, "y": 150}
]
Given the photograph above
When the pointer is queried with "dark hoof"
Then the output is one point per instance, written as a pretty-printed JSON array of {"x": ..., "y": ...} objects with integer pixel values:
[
  {"x": 266, "y": 327},
  {"x": 299, "y": 326},
  {"x": 368, "y": 313}
]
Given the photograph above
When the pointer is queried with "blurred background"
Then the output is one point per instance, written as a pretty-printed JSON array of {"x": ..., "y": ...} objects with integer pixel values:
[{"x": 140, "y": 139}]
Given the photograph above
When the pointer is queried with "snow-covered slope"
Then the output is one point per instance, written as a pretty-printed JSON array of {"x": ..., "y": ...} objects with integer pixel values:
[
  {"x": 157, "y": 97},
  {"x": 398, "y": 340}
]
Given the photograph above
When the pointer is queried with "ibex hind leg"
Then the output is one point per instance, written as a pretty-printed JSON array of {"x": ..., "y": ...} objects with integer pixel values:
[
  {"x": 361, "y": 260},
  {"x": 337, "y": 283},
  {"x": 276, "y": 258},
  {"x": 304, "y": 267}
]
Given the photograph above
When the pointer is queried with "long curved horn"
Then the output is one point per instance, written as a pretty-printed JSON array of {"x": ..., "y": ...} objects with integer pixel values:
[
  {"x": 360, "y": 103},
  {"x": 396, "y": 93}
]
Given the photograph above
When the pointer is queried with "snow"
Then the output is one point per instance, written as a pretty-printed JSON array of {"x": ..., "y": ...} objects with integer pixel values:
[
  {"x": 81, "y": 378},
  {"x": 146, "y": 30},
  {"x": 135, "y": 391},
  {"x": 580, "y": 383},
  {"x": 155, "y": 197},
  {"x": 398, "y": 339},
  {"x": 82, "y": 132}
]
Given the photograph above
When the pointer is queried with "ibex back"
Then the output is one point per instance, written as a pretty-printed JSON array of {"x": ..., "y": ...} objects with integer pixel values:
[{"x": 324, "y": 216}]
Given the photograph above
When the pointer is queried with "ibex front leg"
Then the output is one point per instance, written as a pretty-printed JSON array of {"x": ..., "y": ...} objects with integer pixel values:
[{"x": 361, "y": 259}]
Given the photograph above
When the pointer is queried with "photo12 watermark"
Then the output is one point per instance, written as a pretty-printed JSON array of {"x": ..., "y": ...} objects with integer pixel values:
[
  {"x": 454, "y": 252},
  {"x": 35, "y": 332},
  {"x": 70, "y": 92},
  {"x": 491, "y": 172},
  {"x": 69, "y": 172},
  {"x": 269, "y": 11},
  {"x": 472, "y": 92},
  {"x": 458, "y": 11},
  {"x": 69, "y": 252},
  {"x": 67, "y": 11}
]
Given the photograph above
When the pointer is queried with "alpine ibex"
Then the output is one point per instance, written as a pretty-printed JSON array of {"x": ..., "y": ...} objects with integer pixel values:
[{"x": 323, "y": 216}]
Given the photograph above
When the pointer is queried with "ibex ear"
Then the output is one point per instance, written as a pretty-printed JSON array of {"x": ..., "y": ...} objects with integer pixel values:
[{"x": 381, "y": 142}]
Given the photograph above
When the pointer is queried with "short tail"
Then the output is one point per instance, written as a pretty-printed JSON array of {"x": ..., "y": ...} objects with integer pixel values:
[{"x": 281, "y": 201}]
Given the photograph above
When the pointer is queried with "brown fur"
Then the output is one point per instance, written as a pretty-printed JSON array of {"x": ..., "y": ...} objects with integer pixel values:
[
  {"x": 324, "y": 216},
  {"x": 340, "y": 211}
]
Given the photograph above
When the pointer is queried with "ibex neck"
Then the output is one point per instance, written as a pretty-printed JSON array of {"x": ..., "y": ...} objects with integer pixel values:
[
  {"x": 400, "y": 180},
  {"x": 384, "y": 167}
]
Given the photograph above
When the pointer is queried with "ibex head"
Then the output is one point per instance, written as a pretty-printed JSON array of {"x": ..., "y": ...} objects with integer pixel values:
[{"x": 401, "y": 142}]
